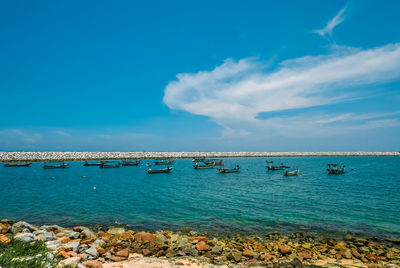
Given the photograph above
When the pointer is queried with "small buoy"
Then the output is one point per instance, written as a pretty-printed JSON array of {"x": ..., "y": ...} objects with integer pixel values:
[
  {"x": 83, "y": 176},
  {"x": 94, "y": 188},
  {"x": 52, "y": 178}
]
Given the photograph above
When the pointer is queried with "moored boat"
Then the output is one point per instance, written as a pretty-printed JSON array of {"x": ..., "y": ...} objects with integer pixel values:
[
  {"x": 163, "y": 170},
  {"x": 270, "y": 166},
  {"x": 197, "y": 166},
  {"x": 164, "y": 162},
  {"x": 290, "y": 173},
  {"x": 130, "y": 163},
  {"x": 335, "y": 169},
  {"x": 229, "y": 170},
  {"x": 62, "y": 165},
  {"x": 105, "y": 165},
  {"x": 17, "y": 164},
  {"x": 89, "y": 164}
]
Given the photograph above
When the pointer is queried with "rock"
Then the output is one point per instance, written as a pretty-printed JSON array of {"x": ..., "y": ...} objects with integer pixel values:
[
  {"x": 305, "y": 255},
  {"x": 237, "y": 255},
  {"x": 63, "y": 254},
  {"x": 266, "y": 257},
  {"x": 80, "y": 266},
  {"x": 4, "y": 239},
  {"x": 44, "y": 235},
  {"x": 372, "y": 257},
  {"x": 21, "y": 225},
  {"x": 51, "y": 228},
  {"x": 73, "y": 246},
  {"x": 116, "y": 230},
  {"x": 201, "y": 246},
  {"x": 69, "y": 263},
  {"x": 92, "y": 252},
  {"x": 146, "y": 252},
  {"x": 191, "y": 252},
  {"x": 72, "y": 234},
  {"x": 364, "y": 250},
  {"x": 198, "y": 238},
  {"x": 285, "y": 249},
  {"x": 124, "y": 253},
  {"x": 53, "y": 245},
  {"x": 25, "y": 237},
  {"x": 248, "y": 253},
  {"x": 92, "y": 264},
  {"x": 4, "y": 228},
  {"x": 356, "y": 254},
  {"x": 160, "y": 240},
  {"x": 390, "y": 255},
  {"x": 88, "y": 234},
  {"x": 306, "y": 245},
  {"x": 144, "y": 237},
  {"x": 216, "y": 249},
  {"x": 347, "y": 254},
  {"x": 100, "y": 243}
]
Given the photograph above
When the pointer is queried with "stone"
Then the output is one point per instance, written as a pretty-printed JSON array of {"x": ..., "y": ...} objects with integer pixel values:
[
  {"x": 69, "y": 263},
  {"x": 124, "y": 253},
  {"x": 73, "y": 246},
  {"x": 146, "y": 252},
  {"x": 347, "y": 254},
  {"x": 266, "y": 257},
  {"x": 64, "y": 239},
  {"x": 50, "y": 228},
  {"x": 71, "y": 234},
  {"x": 144, "y": 237},
  {"x": 53, "y": 245},
  {"x": 44, "y": 235},
  {"x": 63, "y": 254},
  {"x": 191, "y": 252},
  {"x": 237, "y": 255},
  {"x": 198, "y": 238},
  {"x": 248, "y": 253},
  {"x": 372, "y": 257},
  {"x": 4, "y": 228},
  {"x": 21, "y": 225},
  {"x": 202, "y": 246},
  {"x": 92, "y": 252},
  {"x": 92, "y": 264},
  {"x": 88, "y": 234},
  {"x": 356, "y": 254},
  {"x": 4, "y": 239},
  {"x": 216, "y": 249},
  {"x": 305, "y": 255},
  {"x": 116, "y": 230},
  {"x": 25, "y": 237},
  {"x": 100, "y": 243},
  {"x": 285, "y": 249},
  {"x": 160, "y": 240}
]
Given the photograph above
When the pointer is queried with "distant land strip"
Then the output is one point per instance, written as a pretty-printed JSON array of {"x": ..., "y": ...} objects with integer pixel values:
[{"x": 81, "y": 156}]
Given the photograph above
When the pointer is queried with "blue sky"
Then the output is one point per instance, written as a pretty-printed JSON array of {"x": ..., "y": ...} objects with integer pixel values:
[{"x": 200, "y": 76}]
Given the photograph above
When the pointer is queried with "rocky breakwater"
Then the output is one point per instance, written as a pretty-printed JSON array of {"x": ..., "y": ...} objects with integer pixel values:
[{"x": 84, "y": 247}]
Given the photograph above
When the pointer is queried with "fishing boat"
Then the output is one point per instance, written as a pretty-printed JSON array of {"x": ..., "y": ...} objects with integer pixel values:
[
  {"x": 335, "y": 169},
  {"x": 105, "y": 165},
  {"x": 216, "y": 162},
  {"x": 270, "y": 166},
  {"x": 164, "y": 162},
  {"x": 197, "y": 166},
  {"x": 17, "y": 164},
  {"x": 196, "y": 160},
  {"x": 229, "y": 170},
  {"x": 88, "y": 164},
  {"x": 290, "y": 173},
  {"x": 62, "y": 165},
  {"x": 163, "y": 170},
  {"x": 130, "y": 163}
]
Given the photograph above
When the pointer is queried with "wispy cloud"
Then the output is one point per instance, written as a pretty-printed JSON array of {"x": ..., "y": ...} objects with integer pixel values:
[
  {"x": 236, "y": 92},
  {"x": 327, "y": 30}
]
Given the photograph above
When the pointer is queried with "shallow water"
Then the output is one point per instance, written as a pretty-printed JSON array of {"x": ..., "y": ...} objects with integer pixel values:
[{"x": 363, "y": 200}]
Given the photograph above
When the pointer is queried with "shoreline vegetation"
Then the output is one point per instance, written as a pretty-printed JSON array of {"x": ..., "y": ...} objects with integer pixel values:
[
  {"x": 83, "y": 156},
  {"x": 28, "y": 245}
]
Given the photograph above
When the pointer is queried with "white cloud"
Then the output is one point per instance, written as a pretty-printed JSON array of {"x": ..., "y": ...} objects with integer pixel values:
[
  {"x": 327, "y": 30},
  {"x": 236, "y": 92}
]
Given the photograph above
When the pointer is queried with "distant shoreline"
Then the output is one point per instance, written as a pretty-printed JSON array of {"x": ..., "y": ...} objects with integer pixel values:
[{"x": 82, "y": 156}]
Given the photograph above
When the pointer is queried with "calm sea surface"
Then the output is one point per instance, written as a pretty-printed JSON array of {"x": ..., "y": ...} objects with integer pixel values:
[{"x": 363, "y": 200}]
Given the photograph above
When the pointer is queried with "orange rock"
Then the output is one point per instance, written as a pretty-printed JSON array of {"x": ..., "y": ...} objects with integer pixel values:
[
  {"x": 266, "y": 257},
  {"x": 63, "y": 254},
  {"x": 248, "y": 253},
  {"x": 285, "y": 249},
  {"x": 72, "y": 254},
  {"x": 93, "y": 264},
  {"x": 64, "y": 239},
  {"x": 124, "y": 253},
  {"x": 305, "y": 255},
  {"x": 201, "y": 246},
  {"x": 117, "y": 259},
  {"x": 4, "y": 228},
  {"x": 372, "y": 257},
  {"x": 101, "y": 250},
  {"x": 356, "y": 254},
  {"x": 146, "y": 252},
  {"x": 198, "y": 238},
  {"x": 4, "y": 239}
]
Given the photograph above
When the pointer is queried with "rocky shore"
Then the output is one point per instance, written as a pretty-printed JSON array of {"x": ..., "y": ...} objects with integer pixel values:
[
  {"x": 81, "y": 156},
  {"x": 120, "y": 247}
]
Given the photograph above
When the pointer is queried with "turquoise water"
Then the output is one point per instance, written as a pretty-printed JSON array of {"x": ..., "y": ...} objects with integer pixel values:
[{"x": 363, "y": 200}]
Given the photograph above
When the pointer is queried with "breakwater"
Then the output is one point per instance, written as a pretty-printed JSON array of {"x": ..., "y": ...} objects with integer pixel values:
[{"x": 80, "y": 156}]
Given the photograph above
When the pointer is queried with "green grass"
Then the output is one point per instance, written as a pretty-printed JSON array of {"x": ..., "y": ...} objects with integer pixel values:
[{"x": 12, "y": 254}]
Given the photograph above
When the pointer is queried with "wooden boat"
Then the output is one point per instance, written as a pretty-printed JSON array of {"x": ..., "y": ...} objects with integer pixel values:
[
  {"x": 334, "y": 169},
  {"x": 62, "y": 165},
  {"x": 155, "y": 171},
  {"x": 88, "y": 164},
  {"x": 270, "y": 166},
  {"x": 17, "y": 164},
  {"x": 196, "y": 160},
  {"x": 197, "y": 166},
  {"x": 216, "y": 162},
  {"x": 229, "y": 170},
  {"x": 164, "y": 162},
  {"x": 105, "y": 165},
  {"x": 291, "y": 173},
  {"x": 130, "y": 163}
]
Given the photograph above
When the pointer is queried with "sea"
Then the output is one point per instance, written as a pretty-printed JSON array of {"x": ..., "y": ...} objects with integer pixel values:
[{"x": 363, "y": 200}]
